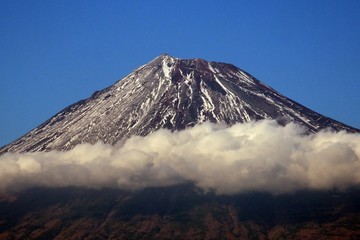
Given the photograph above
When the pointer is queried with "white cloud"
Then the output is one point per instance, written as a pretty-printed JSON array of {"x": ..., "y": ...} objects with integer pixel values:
[{"x": 256, "y": 156}]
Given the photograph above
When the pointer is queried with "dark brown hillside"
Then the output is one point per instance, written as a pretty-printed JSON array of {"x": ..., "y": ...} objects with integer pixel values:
[{"x": 181, "y": 212}]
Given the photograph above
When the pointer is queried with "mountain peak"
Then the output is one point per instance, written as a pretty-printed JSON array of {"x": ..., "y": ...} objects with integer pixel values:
[
  {"x": 164, "y": 56},
  {"x": 169, "y": 93}
]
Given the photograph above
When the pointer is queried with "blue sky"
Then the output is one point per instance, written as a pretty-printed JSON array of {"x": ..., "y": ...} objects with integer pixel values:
[{"x": 54, "y": 53}]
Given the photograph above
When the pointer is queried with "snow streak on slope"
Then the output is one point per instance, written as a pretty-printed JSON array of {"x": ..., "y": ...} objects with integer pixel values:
[{"x": 168, "y": 93}]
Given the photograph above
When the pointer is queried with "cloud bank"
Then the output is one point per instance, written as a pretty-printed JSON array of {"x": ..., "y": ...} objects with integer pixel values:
[{"x": 255, "y": 156}]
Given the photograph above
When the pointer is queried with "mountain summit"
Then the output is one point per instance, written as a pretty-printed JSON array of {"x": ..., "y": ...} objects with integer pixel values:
[{"x": 168, "y": 93}]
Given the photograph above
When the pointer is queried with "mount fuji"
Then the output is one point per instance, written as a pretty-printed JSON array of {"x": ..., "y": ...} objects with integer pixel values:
[
  {"x": 169, "y": 93},
  {"x": 55, "y": 186}
]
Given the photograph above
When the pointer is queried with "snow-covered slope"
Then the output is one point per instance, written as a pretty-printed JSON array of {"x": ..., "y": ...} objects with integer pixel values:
[{"x": 168, "y": 93}]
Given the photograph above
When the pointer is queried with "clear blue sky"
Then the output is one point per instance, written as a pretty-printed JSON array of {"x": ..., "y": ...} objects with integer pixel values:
[{"x": 54, "y": 53}]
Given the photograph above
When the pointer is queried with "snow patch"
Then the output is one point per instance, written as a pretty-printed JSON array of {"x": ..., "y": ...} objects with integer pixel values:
[{"x": 168, "y": 66}]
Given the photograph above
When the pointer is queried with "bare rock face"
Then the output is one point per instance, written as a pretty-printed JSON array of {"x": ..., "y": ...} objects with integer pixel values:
[{"x": 168, "y": 93}]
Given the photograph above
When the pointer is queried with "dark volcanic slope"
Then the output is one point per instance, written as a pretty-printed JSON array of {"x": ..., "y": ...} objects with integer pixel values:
[{"x": 171, "y": 93}]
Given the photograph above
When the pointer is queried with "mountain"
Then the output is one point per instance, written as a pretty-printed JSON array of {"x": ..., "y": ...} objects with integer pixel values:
[
  {"x": 175, "y": 94},
  {"x": 169, "y": 93}
]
